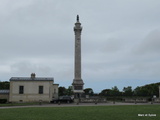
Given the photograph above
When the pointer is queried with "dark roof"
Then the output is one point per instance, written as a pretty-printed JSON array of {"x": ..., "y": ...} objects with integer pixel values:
[
  {"x": 4, "y": 91},
  {"x": 31, "y": 79}
]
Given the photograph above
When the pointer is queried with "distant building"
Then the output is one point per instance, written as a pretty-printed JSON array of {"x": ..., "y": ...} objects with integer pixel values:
[
  {"x": 32, "y": 89},
  {"x": 4, "y": 94}
]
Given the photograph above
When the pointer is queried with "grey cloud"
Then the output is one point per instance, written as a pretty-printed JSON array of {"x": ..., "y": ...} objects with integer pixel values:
[
  {"x": 26, "y": 67},
  {"x": 37, "y": 35},
  {"x": 150, "y": 45}
]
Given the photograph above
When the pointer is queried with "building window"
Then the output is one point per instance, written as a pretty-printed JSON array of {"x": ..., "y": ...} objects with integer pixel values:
[
  {"x": 54, "y": 91},
  {"x": 21, "y": 89},
  {"x": 40, "y": 89}
]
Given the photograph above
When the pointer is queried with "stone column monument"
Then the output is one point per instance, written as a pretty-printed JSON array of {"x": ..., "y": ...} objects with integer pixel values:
[{"x": 77, "y": 84}]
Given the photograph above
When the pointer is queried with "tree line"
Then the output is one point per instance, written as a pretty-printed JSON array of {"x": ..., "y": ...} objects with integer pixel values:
[
  {"x": 146, "y": 90},
  {"x": 142, "y": 91},
  {"x": 4, "y": 85}
]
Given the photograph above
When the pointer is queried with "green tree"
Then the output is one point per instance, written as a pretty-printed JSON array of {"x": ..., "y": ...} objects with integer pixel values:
[
  {"x": 141, "y": 91},
  {"x": 4, "y": 85},
  {"x": 105, "y": 92},
  {"x": 111, "y": 92},
  {"x": 147, "y": 90},
  {"x": 127, "y": 91},
  {"x": 69, "y": 91},
  {"x": 88, "y": 91},
  {"x": 62, "y": 91},
  {"x": 115, "y": 91}
]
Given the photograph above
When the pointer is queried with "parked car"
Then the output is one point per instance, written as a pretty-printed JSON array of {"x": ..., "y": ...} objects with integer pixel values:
[{"x": 63, "y": 99}]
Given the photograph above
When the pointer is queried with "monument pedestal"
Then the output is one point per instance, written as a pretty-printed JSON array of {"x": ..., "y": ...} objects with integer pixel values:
[{"x": 78, "y": 88}]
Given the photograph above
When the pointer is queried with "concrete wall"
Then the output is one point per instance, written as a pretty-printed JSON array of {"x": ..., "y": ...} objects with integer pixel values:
[
  {"x": 31, "y": 91},
  {"x": 55, "y": 91}
]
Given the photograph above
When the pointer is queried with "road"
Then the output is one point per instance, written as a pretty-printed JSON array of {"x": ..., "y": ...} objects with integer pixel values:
[{"x": 80, "y": 104}]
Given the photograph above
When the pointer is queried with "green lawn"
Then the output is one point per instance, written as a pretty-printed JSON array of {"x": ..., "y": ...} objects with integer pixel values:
[
  {"x": 18, "y": 104},
  {"x": 82, "y": 113}
]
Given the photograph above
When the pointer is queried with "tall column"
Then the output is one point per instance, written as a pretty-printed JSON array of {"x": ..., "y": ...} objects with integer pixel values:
[{"x": 77, "y": 81}]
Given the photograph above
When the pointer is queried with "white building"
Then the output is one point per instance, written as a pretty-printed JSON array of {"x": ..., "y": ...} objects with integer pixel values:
[{"x": 32, "y": 89}]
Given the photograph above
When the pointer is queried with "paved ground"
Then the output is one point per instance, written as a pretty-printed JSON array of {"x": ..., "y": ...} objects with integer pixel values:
[{"x": 80, "y": 104}]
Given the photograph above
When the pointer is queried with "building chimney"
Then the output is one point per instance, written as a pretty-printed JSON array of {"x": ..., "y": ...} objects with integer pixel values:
[{"x": 33, "y": 75}]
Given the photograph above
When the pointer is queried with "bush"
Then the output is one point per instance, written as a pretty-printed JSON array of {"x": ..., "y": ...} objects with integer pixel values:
[{"x": 3, "y": 100}]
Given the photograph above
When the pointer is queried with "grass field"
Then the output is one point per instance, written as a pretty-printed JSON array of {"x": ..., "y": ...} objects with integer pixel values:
[
  {"x": 83, "y": 113},
  {"x": 17, "y": 104}
]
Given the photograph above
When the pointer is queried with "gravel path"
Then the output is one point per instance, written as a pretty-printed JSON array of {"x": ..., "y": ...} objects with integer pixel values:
[{"x": 80, "y": 104}]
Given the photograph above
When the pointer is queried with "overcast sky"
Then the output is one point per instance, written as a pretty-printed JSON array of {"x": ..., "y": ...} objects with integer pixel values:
[{"x": 120, "y": 41}]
